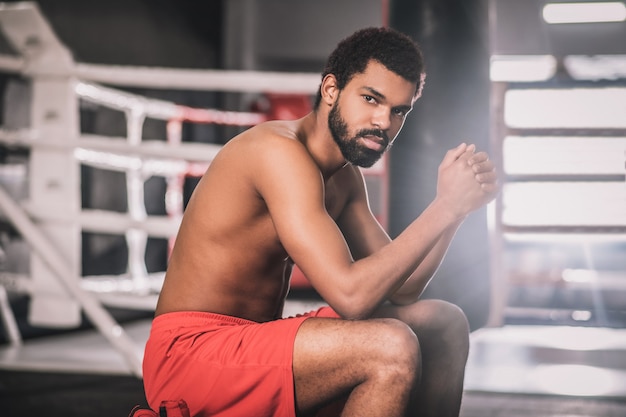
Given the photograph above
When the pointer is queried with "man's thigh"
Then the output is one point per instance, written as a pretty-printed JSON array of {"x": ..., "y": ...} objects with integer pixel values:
[
  {"x": 221, "y": 365},
  {"x": 332, "y": 356}
]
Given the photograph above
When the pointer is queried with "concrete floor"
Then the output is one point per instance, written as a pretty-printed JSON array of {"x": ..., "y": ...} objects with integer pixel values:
[
  {"x": 35, "y": 394},
  {"x": 513, "y": 371}
]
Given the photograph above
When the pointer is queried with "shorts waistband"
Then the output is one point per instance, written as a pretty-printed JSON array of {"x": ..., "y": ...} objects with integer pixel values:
[{"x": 191, "y": 318}]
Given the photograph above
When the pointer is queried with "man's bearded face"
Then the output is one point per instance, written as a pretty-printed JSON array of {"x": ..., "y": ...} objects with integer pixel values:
[{"x": 352, "y": 150}]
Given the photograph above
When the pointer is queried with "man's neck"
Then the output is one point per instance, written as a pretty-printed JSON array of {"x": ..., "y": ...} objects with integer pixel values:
[{"x": 316, "y": 137}]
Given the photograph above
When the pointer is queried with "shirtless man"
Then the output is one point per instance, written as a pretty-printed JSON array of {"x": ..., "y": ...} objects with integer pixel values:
[{"x": 288, "y": 192}]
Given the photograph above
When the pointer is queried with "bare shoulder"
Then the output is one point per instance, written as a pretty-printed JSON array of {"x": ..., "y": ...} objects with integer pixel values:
[
  {"x": 272, "y": 153},
  {"x": 270, "y": 140},
  {"x": 275, "y": 131},
  {"x": 262, "y": 164}
]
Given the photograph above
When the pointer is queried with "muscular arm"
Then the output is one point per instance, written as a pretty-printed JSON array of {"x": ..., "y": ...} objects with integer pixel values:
[
  {"x": 294, "y": 193},
  {"x": 365, "y": 236},
  {"x": 413, "y": 288},
  {"x": 369, "y": 237}
]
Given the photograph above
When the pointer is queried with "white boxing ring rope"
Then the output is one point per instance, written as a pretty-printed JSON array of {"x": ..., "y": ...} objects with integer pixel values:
[
  {"x": 139, "y": 160},
  {"x": 138, "y": 164},
  {"x": 137, "y": 109}
]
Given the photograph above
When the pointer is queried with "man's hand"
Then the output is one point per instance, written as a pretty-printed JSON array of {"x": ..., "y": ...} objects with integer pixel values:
[
  {"x": 467, "y": 180},
  {"x": 484, "y": 173}
]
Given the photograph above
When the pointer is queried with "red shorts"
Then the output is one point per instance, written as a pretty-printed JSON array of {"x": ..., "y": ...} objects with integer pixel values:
[{"x": 222, "y": 365}]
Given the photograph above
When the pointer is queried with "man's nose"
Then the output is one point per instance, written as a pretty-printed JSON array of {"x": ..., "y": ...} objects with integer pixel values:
[{"x": 382, "y": 118}]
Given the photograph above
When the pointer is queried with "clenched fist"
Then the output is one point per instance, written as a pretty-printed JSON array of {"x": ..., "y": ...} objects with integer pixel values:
[{"x": 467, "y": 180}]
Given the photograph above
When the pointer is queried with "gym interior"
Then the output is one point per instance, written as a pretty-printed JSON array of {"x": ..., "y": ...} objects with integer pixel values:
[{"x": 112, "y": 110}]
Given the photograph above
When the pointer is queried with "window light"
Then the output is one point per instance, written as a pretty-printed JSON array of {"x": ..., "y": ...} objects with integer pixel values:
[
  {"x": 522, "y": 68},
  {"x": 555, "y": 13},
  {"x": 566, "y": 108}
]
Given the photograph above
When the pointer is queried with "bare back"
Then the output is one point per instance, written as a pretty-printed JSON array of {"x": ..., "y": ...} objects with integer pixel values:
[{"x": 228, "y": 258}]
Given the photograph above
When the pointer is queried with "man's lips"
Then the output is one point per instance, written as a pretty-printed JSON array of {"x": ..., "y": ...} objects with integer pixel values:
[{"x": 374, "y": 142}]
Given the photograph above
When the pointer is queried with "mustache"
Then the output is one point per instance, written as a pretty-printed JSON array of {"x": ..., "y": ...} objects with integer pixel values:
[{"x": 374, "y": 132}]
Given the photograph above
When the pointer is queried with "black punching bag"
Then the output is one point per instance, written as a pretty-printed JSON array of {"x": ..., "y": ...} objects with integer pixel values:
[{"x": 454, "y": 108}]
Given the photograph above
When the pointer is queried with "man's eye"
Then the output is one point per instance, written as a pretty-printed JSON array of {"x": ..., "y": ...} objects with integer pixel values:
[
  {"x": 369, "y": 99},
  {"x": 399, "y": 112}
]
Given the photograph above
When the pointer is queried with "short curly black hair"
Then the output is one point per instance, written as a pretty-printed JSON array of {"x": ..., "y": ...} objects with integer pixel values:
[{"x": 395, "y": 50}]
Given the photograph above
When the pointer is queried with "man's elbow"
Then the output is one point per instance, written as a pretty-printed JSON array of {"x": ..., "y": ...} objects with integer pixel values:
[
  {"x": 351, "y": 309},
  {"x": 404, "y": 299}
]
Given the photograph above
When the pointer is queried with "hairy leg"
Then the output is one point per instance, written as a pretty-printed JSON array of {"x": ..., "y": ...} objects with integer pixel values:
[
  {"x": 375, "y": 363},
  {"x": 443, "y": 334}
]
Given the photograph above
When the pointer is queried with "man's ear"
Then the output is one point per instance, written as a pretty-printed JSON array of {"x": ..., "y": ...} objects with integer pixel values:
[{"x": 329, "y": 89}]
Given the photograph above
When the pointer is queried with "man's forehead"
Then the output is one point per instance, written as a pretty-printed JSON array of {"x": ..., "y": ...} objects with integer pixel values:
[{"x": 382, "y": 82}]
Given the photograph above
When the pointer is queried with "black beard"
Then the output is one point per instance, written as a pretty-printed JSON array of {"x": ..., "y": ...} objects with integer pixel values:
[{"x": 350, "y": 149}]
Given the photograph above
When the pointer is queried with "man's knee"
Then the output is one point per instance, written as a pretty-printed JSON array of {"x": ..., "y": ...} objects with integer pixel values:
[
  {"x": 453, "y": 316},
  {"x": 397, "y": 347},
  {"x": 450, "y": 323},
  {"x": 440, "y": 314}
]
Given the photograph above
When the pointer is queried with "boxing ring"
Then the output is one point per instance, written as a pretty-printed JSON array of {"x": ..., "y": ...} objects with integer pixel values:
[{"x": 49, "y": 215}]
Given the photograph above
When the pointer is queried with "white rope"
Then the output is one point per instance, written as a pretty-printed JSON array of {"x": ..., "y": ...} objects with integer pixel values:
[
  {"x": 102, "y": 221},
  {"x": 200, "y": 79},
  {"x": 117, "y": 162},
  {"x": 185, "y": 79},
  {"x": 200, "y": 152},
  {"x": 161, "y": 109}
]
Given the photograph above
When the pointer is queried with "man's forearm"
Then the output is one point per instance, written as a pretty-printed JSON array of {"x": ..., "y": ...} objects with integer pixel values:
[{"x": 414, "y": 286}]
